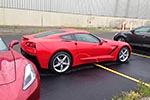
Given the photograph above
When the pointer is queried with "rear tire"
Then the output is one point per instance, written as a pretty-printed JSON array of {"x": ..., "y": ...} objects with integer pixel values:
[
  {"x": 60, "y": 62},
  {"x": 123, "y": 55}
]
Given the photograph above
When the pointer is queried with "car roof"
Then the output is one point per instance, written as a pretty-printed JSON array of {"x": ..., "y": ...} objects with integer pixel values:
[
  {"x": 144, "y": 26},
  {"x": 58, "y": 31}
]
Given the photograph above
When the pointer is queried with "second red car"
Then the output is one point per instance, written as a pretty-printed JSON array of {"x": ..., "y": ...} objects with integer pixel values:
[{"x": 60, "y": 49}]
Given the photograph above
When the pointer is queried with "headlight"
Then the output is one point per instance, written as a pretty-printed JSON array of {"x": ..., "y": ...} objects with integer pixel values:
[{"x": 29, "y": 76}]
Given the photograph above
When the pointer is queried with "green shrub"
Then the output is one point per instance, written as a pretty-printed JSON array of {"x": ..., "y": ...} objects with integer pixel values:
[
  {"x": 143, "y": 90},
  {"x": 140, "y": 92}
]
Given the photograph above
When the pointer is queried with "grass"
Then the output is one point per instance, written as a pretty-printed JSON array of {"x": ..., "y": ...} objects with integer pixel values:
[
  {"x": 7, "y": 26},
  {"x": 141, "y": 91},
  {"x": 6, "y": 29},
  {"x": 95, "y": 30},
  {"x": 38, "y": 30}
]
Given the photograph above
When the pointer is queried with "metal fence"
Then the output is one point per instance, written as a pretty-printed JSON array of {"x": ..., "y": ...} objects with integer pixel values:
[{"x": 118, "y": 8}]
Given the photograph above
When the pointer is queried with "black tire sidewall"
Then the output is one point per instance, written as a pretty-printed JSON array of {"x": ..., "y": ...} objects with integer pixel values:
[
  {"x": 121, "y": 38},
  {"x": 118, "y": 60}
]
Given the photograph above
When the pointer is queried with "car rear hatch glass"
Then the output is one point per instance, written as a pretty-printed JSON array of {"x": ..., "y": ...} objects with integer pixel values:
[{"x": 45, "y": 34}]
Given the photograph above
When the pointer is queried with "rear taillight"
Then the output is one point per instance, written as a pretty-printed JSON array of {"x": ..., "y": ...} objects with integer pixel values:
[
  {"x": 31, "y": 44},
  {"x": 25, "y": 39}
]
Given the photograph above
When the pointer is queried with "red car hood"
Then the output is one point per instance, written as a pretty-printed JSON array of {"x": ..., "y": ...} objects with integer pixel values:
[
  {"x": 7, "y": 68},
  {"x": 112, "y": 42}
]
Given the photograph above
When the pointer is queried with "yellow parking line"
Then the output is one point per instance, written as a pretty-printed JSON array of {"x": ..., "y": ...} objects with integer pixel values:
[
  {"x": 123, "y": 75},
  {"x": 140, "y": 55}
]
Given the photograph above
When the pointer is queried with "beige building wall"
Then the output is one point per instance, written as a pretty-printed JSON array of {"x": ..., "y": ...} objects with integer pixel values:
[{"x": 39, "y": 18}]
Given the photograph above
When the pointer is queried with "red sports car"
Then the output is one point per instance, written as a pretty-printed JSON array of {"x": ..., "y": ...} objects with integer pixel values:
[
  {"x": 19, "y": 78},
  {"x": 60, "y": 49}
]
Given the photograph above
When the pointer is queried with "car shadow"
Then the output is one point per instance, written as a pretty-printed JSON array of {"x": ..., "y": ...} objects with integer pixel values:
[{"x": 141, "y": 50}]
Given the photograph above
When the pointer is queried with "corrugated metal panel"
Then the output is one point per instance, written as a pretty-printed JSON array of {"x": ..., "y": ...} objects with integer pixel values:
[
  {"x": 2, "y": 3},
  {"x": 143, "y": 9},
  {"x": 120, "y": 8},
  {"x": 133, "y": 8},
  {"x": 148, "y": 10}
]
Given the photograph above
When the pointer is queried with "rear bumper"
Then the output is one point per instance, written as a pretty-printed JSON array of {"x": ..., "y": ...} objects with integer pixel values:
[
  {"x": 32, "y": 58},
  {"x": 28, "y": 50},
  {"x": 26, "y": 54}
]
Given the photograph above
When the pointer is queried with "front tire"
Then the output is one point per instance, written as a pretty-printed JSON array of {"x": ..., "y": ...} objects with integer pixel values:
[
  {"x": 123, "y": 55},
  {"x": 122, "y": 39},
  {"x": 60, "y": 62}
]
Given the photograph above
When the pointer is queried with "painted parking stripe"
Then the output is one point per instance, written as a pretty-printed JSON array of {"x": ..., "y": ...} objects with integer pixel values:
[
  {"x": 140, "y": 55},
  {"x": 123, "y": 75}
]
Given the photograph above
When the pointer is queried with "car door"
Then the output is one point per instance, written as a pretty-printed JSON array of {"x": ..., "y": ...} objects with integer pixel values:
[
  {"x": 90, "y": 48},
  {"x": 138, "y": 35},
  {"x": 146, "y": 39}
]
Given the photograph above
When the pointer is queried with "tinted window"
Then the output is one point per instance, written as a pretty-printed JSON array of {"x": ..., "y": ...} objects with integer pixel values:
[
  {"x": 87, "y": 38},
  {"x": 142, "y": 29},
  {"x": 44, "y": 34},
  {"x": 67, "y": 37},
  {"x": 3, "y": 46}
]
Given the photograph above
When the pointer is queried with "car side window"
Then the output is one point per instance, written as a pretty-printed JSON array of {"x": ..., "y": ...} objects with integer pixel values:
[
  {"x": 142, "y": 29},
  {"x": 67, "y": 37},
  {"x": 86, "y": 38}
]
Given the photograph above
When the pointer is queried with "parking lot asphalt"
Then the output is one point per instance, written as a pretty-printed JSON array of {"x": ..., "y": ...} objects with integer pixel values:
[{"x": 90, "y": 82}]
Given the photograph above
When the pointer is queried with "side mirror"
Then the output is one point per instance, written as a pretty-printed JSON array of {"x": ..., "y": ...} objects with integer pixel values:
[
  {"x": 132, "y": 31},
  {"x": 101, "y": 42},
  {"x": 13, "y": 42}
]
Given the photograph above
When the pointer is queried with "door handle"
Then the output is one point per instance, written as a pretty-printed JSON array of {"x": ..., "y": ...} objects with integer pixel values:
[{"x": 66, "y": 40}]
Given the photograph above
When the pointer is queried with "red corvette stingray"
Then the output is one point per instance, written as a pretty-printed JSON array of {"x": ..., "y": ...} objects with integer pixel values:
[
  {"x": 60, "y": 49},
  {"x": 19, "y": 79}
]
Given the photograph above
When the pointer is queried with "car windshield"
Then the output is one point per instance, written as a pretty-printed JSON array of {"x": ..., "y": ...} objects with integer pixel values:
[
  {"x": 3, "y": 46},
  {"x": 142, "y": 29}
]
